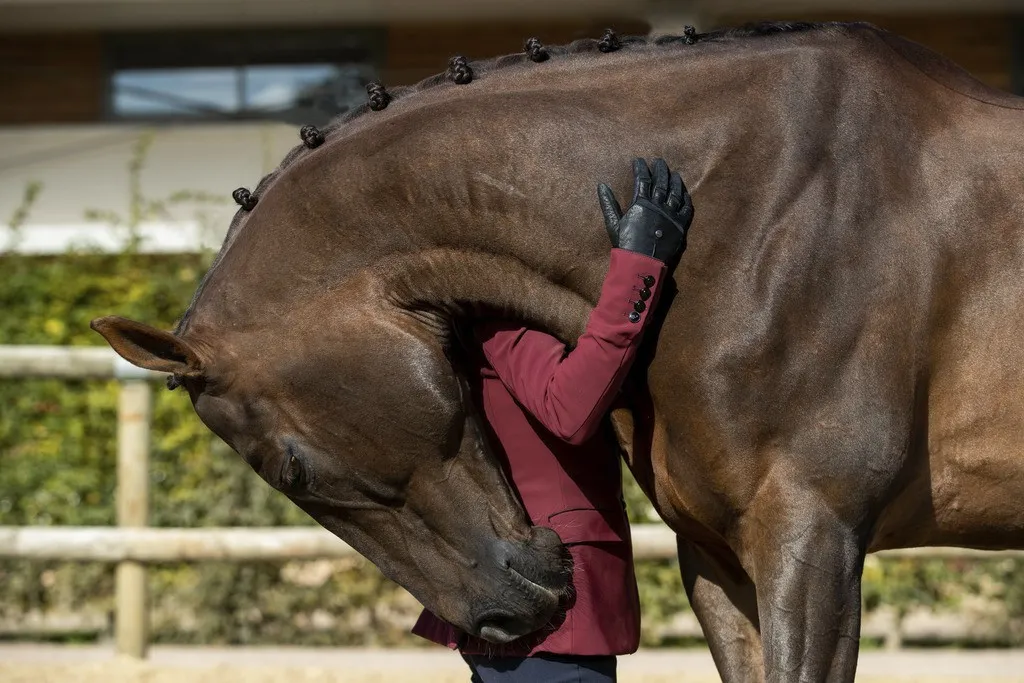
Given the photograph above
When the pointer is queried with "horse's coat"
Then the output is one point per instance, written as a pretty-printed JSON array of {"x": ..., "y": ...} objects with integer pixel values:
[{"x": 841, "y": 368}]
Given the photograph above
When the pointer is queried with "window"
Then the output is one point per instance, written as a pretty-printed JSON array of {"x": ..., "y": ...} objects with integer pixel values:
[{"x": 298, "y": 76}]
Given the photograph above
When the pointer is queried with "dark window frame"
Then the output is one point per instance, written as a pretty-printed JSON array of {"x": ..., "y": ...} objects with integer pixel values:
[
  {"x": 158, "y": 50},
  {"x": 1017, "y": 55}
]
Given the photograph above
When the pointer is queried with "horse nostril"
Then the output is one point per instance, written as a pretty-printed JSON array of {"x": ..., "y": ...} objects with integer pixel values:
[
  {"x": 543, "y": 560},
  {"x": 502, "y": 552}
]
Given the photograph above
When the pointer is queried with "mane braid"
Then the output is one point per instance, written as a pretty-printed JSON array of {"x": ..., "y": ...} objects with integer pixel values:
[{"x": 482, "y": 68}]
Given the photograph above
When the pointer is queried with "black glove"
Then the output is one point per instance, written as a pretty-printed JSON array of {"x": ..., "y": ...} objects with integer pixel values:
[{"x": 656, "y": 222}]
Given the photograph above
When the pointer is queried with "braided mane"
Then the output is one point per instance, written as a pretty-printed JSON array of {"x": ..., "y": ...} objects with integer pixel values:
[{"x": 534, "y": 51}]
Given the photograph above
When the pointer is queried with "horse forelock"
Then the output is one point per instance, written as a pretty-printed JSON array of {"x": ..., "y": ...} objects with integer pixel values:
[{"x": 587, "y": 46}]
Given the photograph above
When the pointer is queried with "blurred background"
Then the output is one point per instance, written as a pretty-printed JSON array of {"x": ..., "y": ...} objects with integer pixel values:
[{"x": 124, "y": 126}]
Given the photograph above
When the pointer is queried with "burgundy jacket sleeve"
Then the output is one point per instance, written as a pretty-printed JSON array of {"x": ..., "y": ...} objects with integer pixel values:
[{"x": 570, "y": 391}]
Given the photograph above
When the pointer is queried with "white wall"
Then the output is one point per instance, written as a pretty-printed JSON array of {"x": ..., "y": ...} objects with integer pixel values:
[{"x": 84, "y": 168}]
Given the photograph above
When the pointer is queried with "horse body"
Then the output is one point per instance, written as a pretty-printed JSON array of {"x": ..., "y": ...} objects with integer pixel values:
[
  {"x": 844, "y": 398},
  {"x": 839, "y": 369},
  {"x": 849, "y": 303}
]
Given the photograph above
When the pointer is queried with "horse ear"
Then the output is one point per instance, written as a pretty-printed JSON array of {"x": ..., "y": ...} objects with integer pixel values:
[{"x": 148, "y": 347}]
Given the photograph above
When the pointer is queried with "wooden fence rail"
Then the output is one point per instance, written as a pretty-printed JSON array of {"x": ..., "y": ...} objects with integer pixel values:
[
  {"x": 256, "y": 544},
  {"x": 132, "y": 544},
  {"x": 68, "y": 362}
]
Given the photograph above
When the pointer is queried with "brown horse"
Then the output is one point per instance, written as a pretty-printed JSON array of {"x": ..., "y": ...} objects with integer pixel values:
[{"x": 839, "y": 369}]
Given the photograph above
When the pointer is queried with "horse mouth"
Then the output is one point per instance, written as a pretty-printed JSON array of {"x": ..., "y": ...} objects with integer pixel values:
[
  {"x": 533, "y": 588},
  {"x": 502, "y": 630},
  {"x": 500, "y": 626}
]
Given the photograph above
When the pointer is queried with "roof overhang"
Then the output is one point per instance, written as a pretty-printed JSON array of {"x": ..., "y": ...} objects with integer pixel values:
[{"x": 91, "y": 15}]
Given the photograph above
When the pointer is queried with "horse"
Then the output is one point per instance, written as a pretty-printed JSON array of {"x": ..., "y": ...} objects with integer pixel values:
[{"x": 838, "y": 366}]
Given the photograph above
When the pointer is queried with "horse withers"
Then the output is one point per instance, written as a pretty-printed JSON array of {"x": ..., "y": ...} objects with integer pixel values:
[{"x": 839, "y": 368}]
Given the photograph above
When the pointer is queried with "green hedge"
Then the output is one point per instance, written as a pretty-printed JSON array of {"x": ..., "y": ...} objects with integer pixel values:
[{"x": 57, "y": 466}]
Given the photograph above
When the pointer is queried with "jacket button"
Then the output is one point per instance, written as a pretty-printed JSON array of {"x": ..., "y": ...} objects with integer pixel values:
[
  {"x": 639, "y": 306},
  {"x": 634, "y": 317},
  {"x": 645, "y": 294},
  {"x": 648, "y": 280}
]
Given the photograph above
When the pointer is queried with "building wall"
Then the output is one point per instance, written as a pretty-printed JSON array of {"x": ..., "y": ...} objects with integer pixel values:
[
  {"x": 46, "y": 78},
  {"x": 61, "y": 79},
  {"x": 83, "y": 161}
]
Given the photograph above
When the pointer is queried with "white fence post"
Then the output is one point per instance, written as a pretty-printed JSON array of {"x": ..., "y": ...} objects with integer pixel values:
[{"x": 131, "y": 623}]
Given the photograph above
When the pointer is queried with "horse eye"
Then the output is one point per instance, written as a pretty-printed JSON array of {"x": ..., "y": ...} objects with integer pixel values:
[{"x": 294, "y": 474}]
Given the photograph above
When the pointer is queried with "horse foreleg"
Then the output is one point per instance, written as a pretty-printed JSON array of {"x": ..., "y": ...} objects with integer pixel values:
[
  {"x": 725, "y": 603},
  {"x": 807, "y": 565}
]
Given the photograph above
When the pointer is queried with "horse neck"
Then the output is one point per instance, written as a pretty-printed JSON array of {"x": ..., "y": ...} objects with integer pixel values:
[
  {"x": 508, "y": 166},
  {"x": 289, "y": 252}
]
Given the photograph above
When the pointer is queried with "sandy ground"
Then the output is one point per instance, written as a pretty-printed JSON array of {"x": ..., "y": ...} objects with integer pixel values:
[{"x": 20, "y": 663}]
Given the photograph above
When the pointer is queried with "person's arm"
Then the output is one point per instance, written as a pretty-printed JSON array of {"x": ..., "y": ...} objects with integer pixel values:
[{"x": 570, "y": 391}]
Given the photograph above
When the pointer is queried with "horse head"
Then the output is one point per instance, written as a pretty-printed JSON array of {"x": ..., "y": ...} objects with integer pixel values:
[{"x": 358, "y": 415}]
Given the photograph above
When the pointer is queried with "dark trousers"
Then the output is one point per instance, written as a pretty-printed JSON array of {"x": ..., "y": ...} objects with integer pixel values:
[{"x": 542, "y": 668}]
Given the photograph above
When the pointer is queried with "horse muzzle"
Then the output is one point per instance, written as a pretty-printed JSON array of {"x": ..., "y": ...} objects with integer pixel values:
[{"x": 535, "y": 577}]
